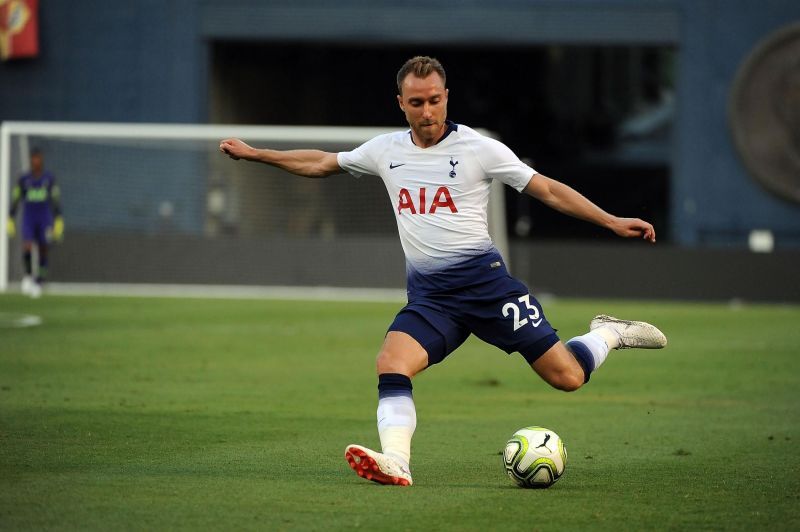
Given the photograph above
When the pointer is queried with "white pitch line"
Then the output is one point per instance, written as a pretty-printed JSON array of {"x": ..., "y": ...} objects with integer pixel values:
[
  {"x": 301, "y": 293},
  {"x": 17, "y": 321}
]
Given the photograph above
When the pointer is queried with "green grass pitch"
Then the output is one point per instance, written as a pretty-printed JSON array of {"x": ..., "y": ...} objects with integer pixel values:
[{"x": 153, "y": 414}]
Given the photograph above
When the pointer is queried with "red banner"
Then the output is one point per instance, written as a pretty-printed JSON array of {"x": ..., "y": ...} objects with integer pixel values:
[{"x": 19, "y": 29}]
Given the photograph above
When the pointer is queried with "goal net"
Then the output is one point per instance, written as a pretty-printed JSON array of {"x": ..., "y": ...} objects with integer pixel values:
[{"x": 157, "y": 204}]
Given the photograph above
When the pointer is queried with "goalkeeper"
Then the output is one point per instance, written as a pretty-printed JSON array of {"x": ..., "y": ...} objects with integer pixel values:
[{"x": 41, "y": 219}]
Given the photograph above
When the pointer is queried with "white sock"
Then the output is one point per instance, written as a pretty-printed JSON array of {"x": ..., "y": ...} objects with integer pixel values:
[
  {"x": 609, "y": 335},
  {"x": 397, "y": 419},
  {"x": 597, "y": 345}
]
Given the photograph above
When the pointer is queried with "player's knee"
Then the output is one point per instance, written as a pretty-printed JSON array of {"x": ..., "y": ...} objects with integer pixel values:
[
  {"x": 381, "y": 361},
  {"x": 389, "y": 362},
  {"x": 393, "y": 362},
  {"x": 402, "y": 354},
  {"x": 566, "y": 381}
]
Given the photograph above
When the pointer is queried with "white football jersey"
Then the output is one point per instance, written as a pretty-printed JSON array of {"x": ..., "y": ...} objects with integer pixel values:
[{"x": 440, "y": 194}]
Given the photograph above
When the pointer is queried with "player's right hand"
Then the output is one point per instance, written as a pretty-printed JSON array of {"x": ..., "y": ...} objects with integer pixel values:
[
  {"x": 11, "y": 228},
  {"x": 235, "y": 149}
]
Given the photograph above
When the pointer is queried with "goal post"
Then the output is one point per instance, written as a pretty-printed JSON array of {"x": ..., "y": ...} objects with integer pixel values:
[
  {"x": 157, "y": 204},
  {"x": 5, "y": 162}
]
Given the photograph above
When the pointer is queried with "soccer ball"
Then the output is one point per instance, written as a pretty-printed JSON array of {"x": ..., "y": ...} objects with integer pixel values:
[{"x": 535, "y": 457}]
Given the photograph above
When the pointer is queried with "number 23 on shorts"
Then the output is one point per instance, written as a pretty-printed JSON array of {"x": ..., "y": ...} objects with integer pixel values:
[{"x": 518, "y": 309}]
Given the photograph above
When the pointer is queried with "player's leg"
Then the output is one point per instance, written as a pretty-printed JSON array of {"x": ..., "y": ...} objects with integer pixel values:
[
  {"x": 40, "y": 241},
  {"x": 559, "y": 368},
  {"x": 410, "y": 346},
  {"x": 41, "y": 273},
  {"x": 28, "y": 235},
  {"x": 27, "y": 264},
  {"x": 515, "y": 322},
  {"x": 402, "y": 354},
  {"x": 568, "y": 366},
  {"x": 400, "y": 358}
]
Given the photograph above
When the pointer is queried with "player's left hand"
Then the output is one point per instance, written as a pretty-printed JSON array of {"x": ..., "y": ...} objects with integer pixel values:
[
  {"x": 634, "y": 227},
  {"x": 58, "y": 228}
]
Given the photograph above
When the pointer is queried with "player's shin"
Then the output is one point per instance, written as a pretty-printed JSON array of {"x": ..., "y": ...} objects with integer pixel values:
[
  {"x": 41, "y": 274},
  {"x": 27, "y": 261},
  {"x": 397, "y": 416},
  {"x": 590, "y": 350}
]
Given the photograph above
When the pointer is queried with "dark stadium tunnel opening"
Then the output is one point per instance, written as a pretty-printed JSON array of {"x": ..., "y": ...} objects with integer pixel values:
[{"x": 598, "y": 118}]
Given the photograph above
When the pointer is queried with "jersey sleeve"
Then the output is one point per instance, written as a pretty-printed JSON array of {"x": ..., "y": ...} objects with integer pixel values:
[
  {"x": 362, "y": 160},
  {"x": 55, "y": 198},
  {"x": 16, "y": 197},
  {"x": 499, "y": 162}
]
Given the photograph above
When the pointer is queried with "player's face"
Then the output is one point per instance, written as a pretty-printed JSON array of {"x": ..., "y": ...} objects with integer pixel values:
[
  {"x": 424, "y": 102},
  {"x": 37, "y": 163}
]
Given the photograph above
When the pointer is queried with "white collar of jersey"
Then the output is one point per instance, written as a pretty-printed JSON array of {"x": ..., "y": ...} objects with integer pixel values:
[{"x": 451, "y": 126}]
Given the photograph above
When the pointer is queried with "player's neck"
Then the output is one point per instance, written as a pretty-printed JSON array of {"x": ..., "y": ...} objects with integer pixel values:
[{"x": 432, "y": 141}]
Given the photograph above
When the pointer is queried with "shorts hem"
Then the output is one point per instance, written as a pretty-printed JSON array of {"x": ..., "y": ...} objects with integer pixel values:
[
  {"x": 534, "y": 352},
  {"x": 434, "y": 352}
]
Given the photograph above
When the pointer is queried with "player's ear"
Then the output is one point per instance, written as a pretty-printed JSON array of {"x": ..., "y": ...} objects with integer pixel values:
[{"x": 400, "y": 102}]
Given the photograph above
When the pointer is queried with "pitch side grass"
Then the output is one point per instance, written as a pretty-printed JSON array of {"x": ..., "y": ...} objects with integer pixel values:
[{"x": 153, "y": 414}]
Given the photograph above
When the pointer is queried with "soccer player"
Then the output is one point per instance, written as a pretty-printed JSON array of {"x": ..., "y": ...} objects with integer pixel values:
[
  {"x": 438, "y": 176},
  {"x": 41, "y": 219}
]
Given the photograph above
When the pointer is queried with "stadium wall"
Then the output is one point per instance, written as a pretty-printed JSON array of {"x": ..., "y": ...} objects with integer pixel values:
[
  {"x": 633, "y": 270},
  {"x": 714, "y": 199},
  {"x": 99, "y": 61},
  {"x": 628, "y": 270}
]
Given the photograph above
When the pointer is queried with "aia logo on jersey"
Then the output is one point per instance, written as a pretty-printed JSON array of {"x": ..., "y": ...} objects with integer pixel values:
[{"x": 441, "y": 199}]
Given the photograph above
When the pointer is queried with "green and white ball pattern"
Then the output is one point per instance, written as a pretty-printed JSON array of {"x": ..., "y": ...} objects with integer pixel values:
[{"x": 535, "y": 457}]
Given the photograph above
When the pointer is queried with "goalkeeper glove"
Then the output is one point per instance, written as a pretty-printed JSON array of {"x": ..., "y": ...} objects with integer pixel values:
[
  {"x": 58, "y": 228},
  {"x": 11, "y": 228}
]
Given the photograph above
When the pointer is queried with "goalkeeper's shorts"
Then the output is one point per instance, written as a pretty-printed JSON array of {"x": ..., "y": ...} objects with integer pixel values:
[{"x": 34, "y": 228}]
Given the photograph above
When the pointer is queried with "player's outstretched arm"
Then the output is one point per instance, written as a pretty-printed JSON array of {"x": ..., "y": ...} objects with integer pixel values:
[
  {"x": 564, "y": 198},
  {"x": 306, "y": 163}
]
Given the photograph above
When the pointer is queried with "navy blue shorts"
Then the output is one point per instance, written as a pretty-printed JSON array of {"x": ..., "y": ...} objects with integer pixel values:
[
  {"x": 500, "y": 312},
  {"x": 34, "y": 228}
]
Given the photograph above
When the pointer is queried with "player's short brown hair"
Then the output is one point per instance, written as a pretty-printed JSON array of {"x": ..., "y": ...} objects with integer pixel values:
[{"x": 420, "y": 66}]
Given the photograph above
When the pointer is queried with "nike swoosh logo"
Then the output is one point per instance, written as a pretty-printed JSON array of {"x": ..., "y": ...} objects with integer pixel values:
[{"x": 393, "y": 166}]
